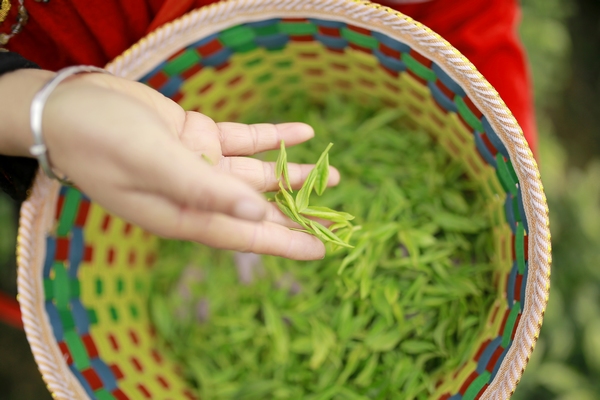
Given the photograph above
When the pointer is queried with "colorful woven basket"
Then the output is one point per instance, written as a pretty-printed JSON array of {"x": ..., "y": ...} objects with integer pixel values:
[{"x": 83, "y": 273}]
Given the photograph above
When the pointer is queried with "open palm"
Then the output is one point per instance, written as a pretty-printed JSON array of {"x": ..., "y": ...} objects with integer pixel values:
[{"x": 178, "y": 174}]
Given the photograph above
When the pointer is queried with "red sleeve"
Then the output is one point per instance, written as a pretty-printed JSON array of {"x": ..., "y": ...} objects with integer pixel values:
[{"x": 485, "y": 31}]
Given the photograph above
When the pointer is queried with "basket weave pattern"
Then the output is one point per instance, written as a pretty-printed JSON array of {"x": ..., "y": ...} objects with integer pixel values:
[{"x": 83, "y": 298}]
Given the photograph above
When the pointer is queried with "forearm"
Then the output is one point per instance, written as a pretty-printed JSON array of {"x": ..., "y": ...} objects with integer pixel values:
[{"x": 17, "y": 90}]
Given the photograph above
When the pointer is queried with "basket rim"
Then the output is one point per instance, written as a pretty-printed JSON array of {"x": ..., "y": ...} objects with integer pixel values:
[{"x": 158, "y": 45}]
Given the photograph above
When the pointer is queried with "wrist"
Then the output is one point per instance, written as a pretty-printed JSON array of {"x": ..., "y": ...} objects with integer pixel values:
[{"x": 17, "y": 90}]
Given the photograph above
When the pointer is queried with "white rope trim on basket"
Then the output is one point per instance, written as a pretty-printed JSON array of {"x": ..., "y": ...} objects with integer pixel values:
[{"x": 371, "y": 16}]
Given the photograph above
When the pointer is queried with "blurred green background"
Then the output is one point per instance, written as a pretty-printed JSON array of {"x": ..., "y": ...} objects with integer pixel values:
[{"x": 562, "y": 38}]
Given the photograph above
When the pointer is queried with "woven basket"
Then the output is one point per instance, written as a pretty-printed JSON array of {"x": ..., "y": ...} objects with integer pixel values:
[{"x": 83, "y": 273}]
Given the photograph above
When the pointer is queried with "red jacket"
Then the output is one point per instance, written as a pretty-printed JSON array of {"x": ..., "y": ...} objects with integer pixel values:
[{"x": 67, "y": 32}]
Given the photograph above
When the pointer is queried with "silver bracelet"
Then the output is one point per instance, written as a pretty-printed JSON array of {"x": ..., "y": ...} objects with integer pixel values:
[{"x": 39, "y": 149}]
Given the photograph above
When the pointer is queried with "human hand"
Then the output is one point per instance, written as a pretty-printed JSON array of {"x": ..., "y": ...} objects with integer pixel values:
[{"x": 138, "y": 154}]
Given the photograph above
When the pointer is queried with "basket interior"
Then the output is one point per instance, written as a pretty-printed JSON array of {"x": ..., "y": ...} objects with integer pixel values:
[{"x": 96, "y": 278}]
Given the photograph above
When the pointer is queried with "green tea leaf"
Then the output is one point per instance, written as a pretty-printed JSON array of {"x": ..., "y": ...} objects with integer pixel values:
[
  {"x": 323, "y": 340},
  {"x": 303, "y": 196},
  {"x": 366, "y": 375},
  {"x": 322, "y": 175},
  {"x": 383, "y": 341},
  {"x": 327, "y": 214},
  {"x": 416, "y": 346},
  {"x": 354, "y": 357},
  {"x": 278, "y": 333},
  {"x": 328, "y": 235},
  {"x": 281, "y": 167},
  {"x": 458, "y": 223}
]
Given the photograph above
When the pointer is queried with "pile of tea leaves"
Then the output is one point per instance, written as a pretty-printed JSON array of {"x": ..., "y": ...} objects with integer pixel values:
[{"x": 383, "y": 319}]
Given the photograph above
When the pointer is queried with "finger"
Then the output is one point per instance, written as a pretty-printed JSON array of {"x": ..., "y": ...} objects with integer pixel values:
[
  {"x": 256, "y": 237},
  {"x": 245, "y": 140},
  {"x": 184, "y": 178},
  {"x": 260, "y": 175},
  {"x": 218, "y": 230}
]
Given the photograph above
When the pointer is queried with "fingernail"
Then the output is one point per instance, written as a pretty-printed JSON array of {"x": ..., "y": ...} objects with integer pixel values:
[{"x": 250, "y": 210}]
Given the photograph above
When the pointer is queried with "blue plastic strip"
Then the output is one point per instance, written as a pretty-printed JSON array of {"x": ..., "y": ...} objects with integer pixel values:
[
  {"x": 332, "y": 42},
  {"x": 494, "y": 139},
  {"x": 499, "y": 362},
  {"x": 218, "y": 58},
  {"x": 484, "y": 151},
  {"x": 327, "y": 24},
  {"x": 441, "y": 98},
  {"x": 510, "y": 286},
  {"x": 55, "y": 321},
  {"x": 487, "y": 354},
  {"x": 510, "y": 213},
  {"x": 171, "y": 86},
  {"x": 275, "y": 41},
  {"x": 50, "y": 254},
  {"x": 390, "y": 62},
  {"x": 524, "y": 286},
  {"x": 81, "y": 317},
  {"x": 261, "y": 24},
  {"x": 106, "y": 375},
  {"x": 76, "y": 248},
  {"x": 522, "y": 210},
  {"x": 391, "y": 43},
  {"x": 83, "y": 381},
  {"x": 446, "y": 80}
]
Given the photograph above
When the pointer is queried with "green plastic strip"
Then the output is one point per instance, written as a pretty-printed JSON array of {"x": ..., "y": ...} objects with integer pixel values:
[
  {"x": 418, "y": 68},
  {"x": 120, "y": 285},
  {"x": 297, "y": 28},
  {"x": 93, "y": 316},
  {"x": 515, "y": 206},
  {"x": 511, "y": 169},
  {"x": 62, "y": 287},
  {"x": 75, "y": 288},
  {"x": 254, "y": 61},
  {"x": 134, "y": 311},
  {"x": 504, "y": 175},
  {"x": 359, "y": 39},
  {"x": 99, "y": 286},
  {"x": 284, "y": 64},
  {"x": 245, "y": 48},
  {"x": 103, "y": 394},
  {"x": 66, "y": 318},
  {"x": 266, "y": 30},
  {"x": 466, "y": 113},
  {"x": 520, "y": 248},
  {"x": 264, "y": 78},
  {"x": 236, "y": 36},
  {"x": 114, "y": 315},
  {"x": 476, "y": 386},
  {"x": 510, "y": 324},
  {"x": 48, "y": 289},
  {"x": 69, "y": 211},
  {"x": 77, "y": 349},
  {"x": 182, "y": 63}
]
